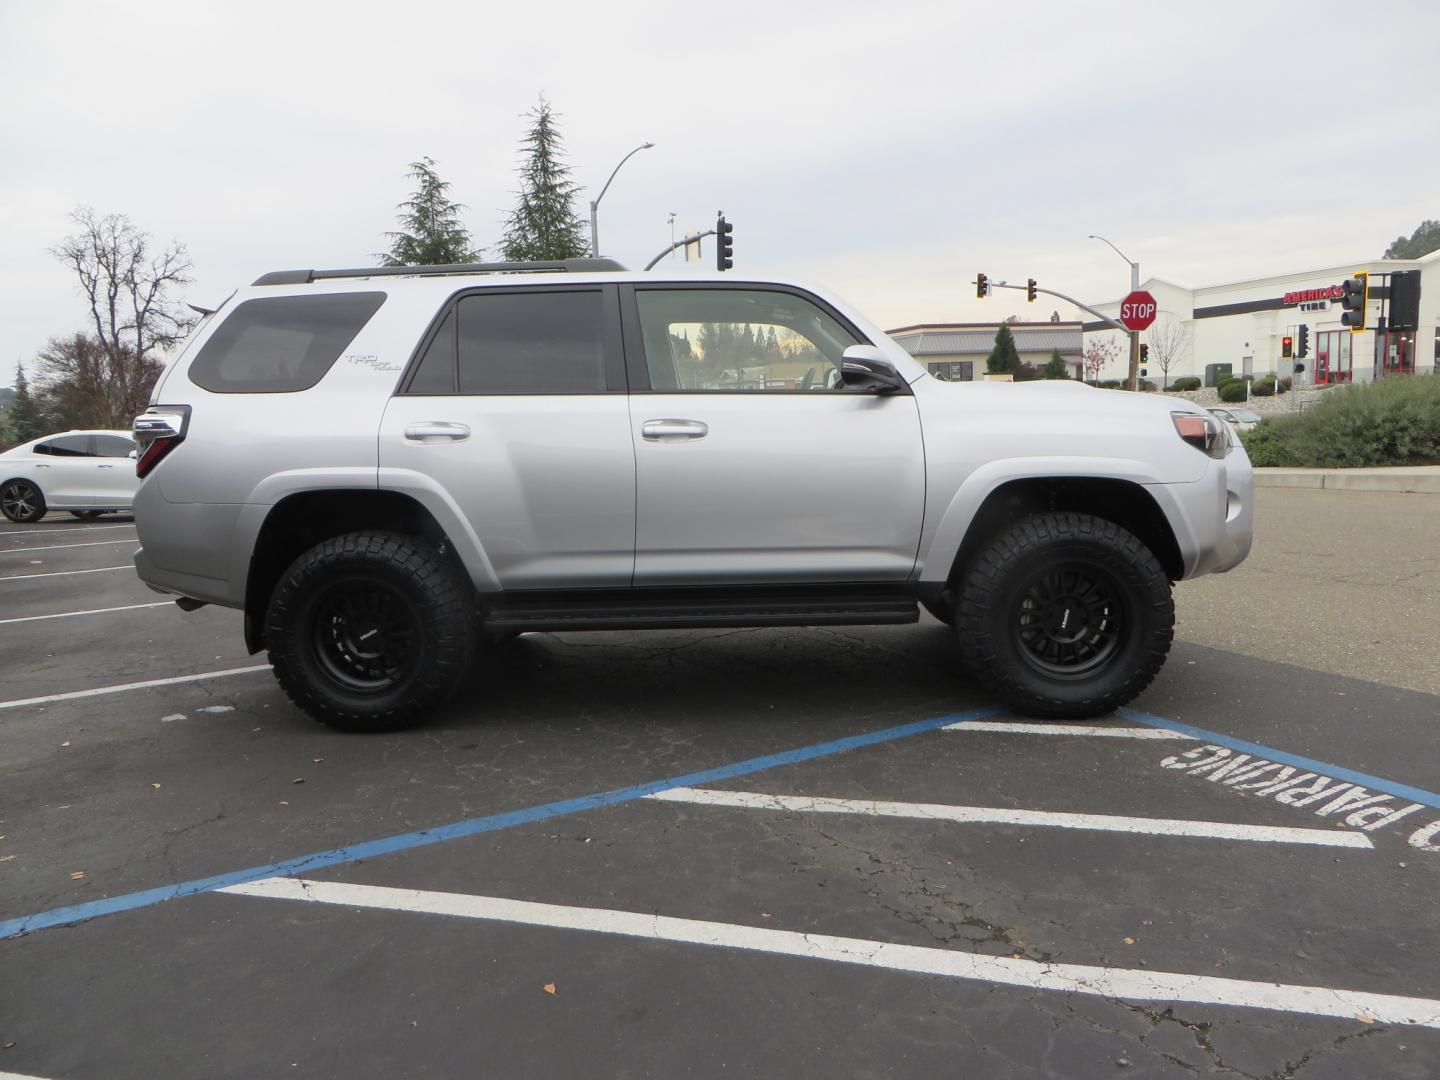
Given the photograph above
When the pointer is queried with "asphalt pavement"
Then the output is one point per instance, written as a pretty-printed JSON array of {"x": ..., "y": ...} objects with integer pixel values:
[{"x": 724, "y": 853}]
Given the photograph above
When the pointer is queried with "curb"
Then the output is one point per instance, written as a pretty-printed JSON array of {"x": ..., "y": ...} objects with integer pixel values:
[{"x": 1426, "y": 482}]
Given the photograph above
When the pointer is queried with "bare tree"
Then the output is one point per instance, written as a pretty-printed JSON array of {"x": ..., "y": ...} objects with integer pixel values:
[
  {"x": 81, "y": 388},
  {"x": 128, "y": 286},
  {"x": 1168, "y": 341},
  {"x": 1099, "y": 353}
]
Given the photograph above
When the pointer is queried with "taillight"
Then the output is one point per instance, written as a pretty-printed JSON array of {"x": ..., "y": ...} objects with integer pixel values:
[
  {"x": 1205, "y": 433},
  {"x": 157, "y": 431}
]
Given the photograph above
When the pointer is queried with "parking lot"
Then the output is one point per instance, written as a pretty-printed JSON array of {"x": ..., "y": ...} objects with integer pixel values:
[{"x": 704, "y": 853}]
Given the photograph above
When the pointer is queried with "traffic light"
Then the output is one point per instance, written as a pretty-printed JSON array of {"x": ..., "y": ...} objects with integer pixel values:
[
  {"x": 724, "y": 244},
  {"x": 982, "y": 286},
  {"x": 1303, "y": 349},
  {"x": 1144, "y": 353},
  {"x": 1030, "y": 289},
  {"x": 1355, "y": 291},
  {"x": 1287, "y": 346}
]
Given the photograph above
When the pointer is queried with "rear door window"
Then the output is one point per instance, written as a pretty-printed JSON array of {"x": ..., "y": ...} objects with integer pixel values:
[
  {"x": 542, "y": 342},
  {"x": 281, "y": 344},
  {"x": 113, "y": 446},
  {"x": 70, "y": 446}
]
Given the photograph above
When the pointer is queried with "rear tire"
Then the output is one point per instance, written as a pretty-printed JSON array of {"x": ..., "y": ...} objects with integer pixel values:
[
  {"x": 1065, "y": 616},
  {"x": 22, "y": 502},
  {"x": 371, "y": 631}
]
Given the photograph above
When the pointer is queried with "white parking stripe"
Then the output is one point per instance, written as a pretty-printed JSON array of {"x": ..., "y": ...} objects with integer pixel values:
[
  {"x": 19, "y": 1076},
  {"x": 1123, "y": 983},
  {"x": 58, "y": 547},
  {"x": 1100, "y": 730},
  {"x": 99, "y": 690},
  {"x": 998, "y": 815},
  {"x": 16, "y": 534},
  {"x": 91, "y": 611},
  {"x": 65, "y": 573}
]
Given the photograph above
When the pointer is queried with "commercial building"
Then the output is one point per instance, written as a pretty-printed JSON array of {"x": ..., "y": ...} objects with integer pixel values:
[
  {"x": 957, "y": 351},
  {"x": 1246, "y": 324}
]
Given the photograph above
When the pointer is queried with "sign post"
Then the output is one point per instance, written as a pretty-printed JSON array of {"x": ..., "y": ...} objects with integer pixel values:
[{"x": 1137, "y": 312}]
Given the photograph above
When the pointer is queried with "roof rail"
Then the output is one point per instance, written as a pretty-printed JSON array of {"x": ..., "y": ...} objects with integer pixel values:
[{"x": 574, "y": 266}]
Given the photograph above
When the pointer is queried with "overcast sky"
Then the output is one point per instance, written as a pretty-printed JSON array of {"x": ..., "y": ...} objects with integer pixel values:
[{"x": 888, "y": 151}]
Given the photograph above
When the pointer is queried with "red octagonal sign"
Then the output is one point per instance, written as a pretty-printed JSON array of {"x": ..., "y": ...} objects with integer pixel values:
[{"x": 1137, "y": 311}]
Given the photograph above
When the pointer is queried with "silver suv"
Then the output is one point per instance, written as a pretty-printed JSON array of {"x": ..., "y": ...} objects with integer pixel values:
[{"x": 384, "y": 468}]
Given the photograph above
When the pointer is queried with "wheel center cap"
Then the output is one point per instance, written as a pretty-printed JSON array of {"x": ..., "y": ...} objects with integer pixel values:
[{"x": 1065, "y": 620}]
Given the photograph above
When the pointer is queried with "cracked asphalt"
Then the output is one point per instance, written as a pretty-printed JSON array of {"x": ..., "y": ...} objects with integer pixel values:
[{"x": 113, "y": 794}]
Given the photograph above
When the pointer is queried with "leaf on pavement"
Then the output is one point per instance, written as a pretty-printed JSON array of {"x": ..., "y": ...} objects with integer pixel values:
[
  {"x": 550, "y": 988},
  {"x": 76, "y": 875}
]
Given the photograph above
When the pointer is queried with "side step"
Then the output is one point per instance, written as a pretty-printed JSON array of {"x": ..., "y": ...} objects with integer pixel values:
[{"x": 662, "y": 609}]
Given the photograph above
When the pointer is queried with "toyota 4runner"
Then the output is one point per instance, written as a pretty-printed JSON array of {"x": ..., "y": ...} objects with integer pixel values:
[{"x": 383, "y": 468}]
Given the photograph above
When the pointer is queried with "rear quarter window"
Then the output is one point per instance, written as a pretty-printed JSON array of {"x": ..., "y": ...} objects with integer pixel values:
[{"x": 281, "y": 344}]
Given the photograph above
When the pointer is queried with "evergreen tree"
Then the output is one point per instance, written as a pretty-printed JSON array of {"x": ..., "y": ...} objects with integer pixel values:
[
  {"x": 1425, "y": 239},
  {"x": 544, "y": 224},
  {"x": 1004, "y": 356},
  {"x": 27, "y": 419},
  {"x": 1056, "y": 368},
  {"x": 431, "y": 233}
]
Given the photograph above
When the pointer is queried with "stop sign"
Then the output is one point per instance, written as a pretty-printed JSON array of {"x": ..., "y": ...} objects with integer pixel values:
[{"x": 1137, "y": 311}]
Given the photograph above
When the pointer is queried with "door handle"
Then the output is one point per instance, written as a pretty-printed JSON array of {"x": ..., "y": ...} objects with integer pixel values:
[
  {"x": 674, "y": 430},
  {"x": 433, "y": 431},
  {"x": 107, "y": 466}
]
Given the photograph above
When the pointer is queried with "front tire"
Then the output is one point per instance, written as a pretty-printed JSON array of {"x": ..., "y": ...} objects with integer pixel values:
[
  {"x": 371, "y": 631},
  {"x": 22, "y": 502},
  {"x": 1065, "y": 616}
]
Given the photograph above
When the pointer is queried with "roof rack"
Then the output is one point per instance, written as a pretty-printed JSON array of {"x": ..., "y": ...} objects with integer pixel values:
[{"x": 573, "y": 266}]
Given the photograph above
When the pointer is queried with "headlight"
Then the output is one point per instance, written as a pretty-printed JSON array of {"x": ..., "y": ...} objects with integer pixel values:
[{"x": 1205, "y": 433}]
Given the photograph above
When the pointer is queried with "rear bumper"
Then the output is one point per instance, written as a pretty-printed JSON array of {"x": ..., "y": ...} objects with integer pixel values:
[{"x": 174, "y": 583}]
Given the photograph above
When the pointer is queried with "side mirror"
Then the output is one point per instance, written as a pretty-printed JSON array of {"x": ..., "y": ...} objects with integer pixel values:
[{"x": 865, "y": 368}]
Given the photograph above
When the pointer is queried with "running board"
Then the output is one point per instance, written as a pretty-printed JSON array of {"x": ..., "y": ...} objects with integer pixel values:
[{"x": 664, "y": 609}]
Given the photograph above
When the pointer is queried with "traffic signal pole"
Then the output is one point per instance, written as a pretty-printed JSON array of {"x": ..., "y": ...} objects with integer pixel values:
[{"x": 1071, "y": 300}]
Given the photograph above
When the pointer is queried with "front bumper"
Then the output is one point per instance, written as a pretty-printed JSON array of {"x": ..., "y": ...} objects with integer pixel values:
[{"x": 1213, "y": 517}]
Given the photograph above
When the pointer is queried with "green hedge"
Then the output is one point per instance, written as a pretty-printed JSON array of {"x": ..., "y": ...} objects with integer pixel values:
[
  {"x": 1233, "y": 391},
  {"x": 1264, "y": 387},
  {"x": 1395, "y": 421},
  {"x": 1188, "y": 382}
]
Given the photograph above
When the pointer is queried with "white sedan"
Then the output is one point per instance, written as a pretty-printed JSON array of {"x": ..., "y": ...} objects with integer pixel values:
[
  {"x": 1241, "y": 420},
  {"x": 88, "y": 473}
]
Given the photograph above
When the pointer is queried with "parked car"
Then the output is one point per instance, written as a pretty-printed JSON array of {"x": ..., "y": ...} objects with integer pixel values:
[
  {"x": 1242, "y": 420},
  {"x": 84, "y": 472},
  {"x": 384, "y": 468}
]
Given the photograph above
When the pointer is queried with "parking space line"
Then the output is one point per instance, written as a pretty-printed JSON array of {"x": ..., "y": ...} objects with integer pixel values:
[
  {"x": 19, "y": 1076},
  {"x": 1098, "y": 730},
  {"x": 66, "y": 573},
  {"x": 1122, "y": 983},
  {"x": 1378, "y": 783},
  {"x": 91, "y": 611},
  {"x": 72, "y": 695},
  {"x": 995, "y": 815},
  {"x": 61, "y": 547},
  {"x": 17, "y": 533},
  {"x": 370, "y": 849}
]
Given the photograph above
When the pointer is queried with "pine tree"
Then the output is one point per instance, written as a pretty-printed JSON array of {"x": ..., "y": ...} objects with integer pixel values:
[
  {"x": 27, "y": 419},
  {"x": 1004, "y": 357},
  {"x": 1056, "y": 368},
  {"x": 431, "y": 233},
  {"x": 544, "y": 224}
]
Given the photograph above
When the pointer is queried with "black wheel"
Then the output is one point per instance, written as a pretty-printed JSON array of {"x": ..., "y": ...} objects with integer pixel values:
[
  {"x": 371, "y": 631},
  {"x": 21, "y": 501},
  {"x": 87, "y": 515},
  {"x": 1065, "y": 616}
]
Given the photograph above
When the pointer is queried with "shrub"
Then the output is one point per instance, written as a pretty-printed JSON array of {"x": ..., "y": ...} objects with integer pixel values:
[
  {"x": 1264, "y": 387},
  {"x": 1285, "y": 384},
  {"x": 1111, "y": 384},
  {"x": 1233, "y": 391},
  {"x": 1147, "y": 386},
  {"x": 1188, "y": 382},
  {"x": 1395, "y": 421}
]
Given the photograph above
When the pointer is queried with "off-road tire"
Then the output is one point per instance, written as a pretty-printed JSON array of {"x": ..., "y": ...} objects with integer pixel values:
[
  {"x": 1001, "y": 580},
  {"x": 435, "y": 601},
  {"x": 16, "y": 492}
]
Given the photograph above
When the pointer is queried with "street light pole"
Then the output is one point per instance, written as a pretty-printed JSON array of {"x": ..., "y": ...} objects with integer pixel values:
[
  {"x": 595, "y": 202},
  {"x": 1134, "y": 377}
]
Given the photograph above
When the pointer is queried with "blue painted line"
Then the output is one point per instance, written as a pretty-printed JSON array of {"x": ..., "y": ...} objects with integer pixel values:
[
  {"x": 77, "y": 913},
  {"x": 1374, "y": 783}
]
